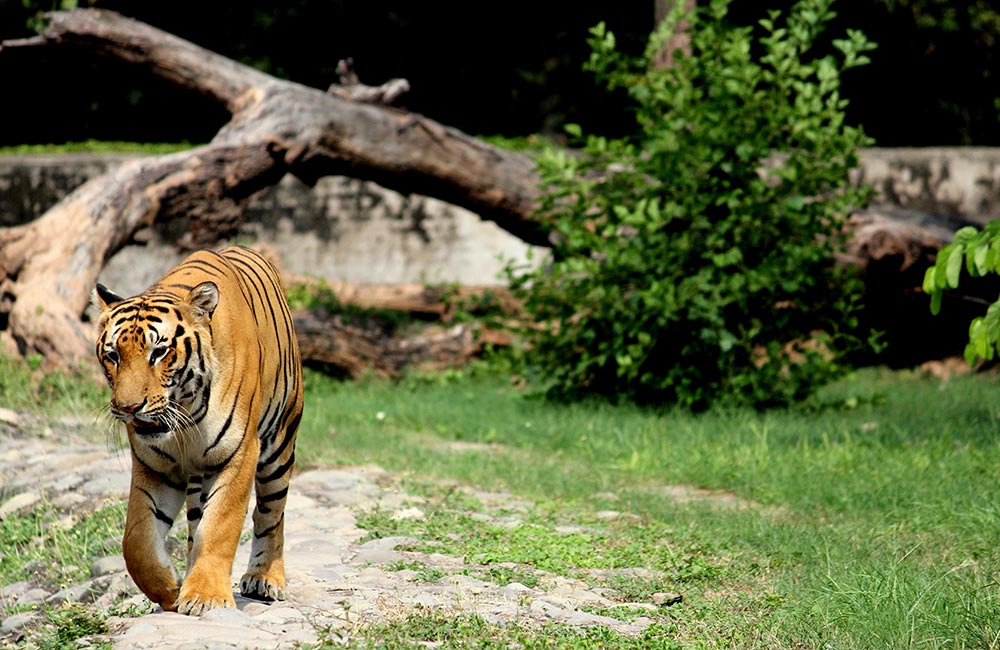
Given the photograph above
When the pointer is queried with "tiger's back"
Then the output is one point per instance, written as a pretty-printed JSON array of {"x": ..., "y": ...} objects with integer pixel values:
[{"x": 205, "y": 372}]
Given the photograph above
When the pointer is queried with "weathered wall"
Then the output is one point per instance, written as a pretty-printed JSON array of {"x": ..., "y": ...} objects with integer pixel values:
[
  {"x": 341, "y": 229},
  {"x": 344, "y": 229},
  {"x": 962, "y": 182}
]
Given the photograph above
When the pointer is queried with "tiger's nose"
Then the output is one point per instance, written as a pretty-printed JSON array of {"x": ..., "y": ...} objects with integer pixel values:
[{"x": 131, "y": 409}]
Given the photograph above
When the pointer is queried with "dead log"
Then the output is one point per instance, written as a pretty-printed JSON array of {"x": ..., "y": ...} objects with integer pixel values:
[
  {"x": 439, "y": 302},
  {"x": 343, "y": 349},
  {"x": 48, "y": 267}
]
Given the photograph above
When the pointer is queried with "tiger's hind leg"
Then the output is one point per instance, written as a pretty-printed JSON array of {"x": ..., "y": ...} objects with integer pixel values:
[{"x": 265, "y": 576}]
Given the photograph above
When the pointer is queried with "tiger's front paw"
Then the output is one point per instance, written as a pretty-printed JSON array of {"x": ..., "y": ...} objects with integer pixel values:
[
  {"x": 194, "y": 602},
  {"x": 262, "y": 586}
]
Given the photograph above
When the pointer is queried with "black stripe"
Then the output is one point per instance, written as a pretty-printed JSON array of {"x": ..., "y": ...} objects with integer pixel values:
[
  {"x": 268, "y": 531},
  {"x": 159, "y": 514},
  {"x": 268, "y": 498},
  {"x": 215, "y": 468},
  {"x": 162, "y": 454},
  {"x": 193, "y": 514},
  {"x": 228, "y": 422},
  {"x": 162, "y": 478},
  {"x": 278, "y": 473},
  {"x": 265, "y": 275},
  {"x": 267, "y": 430},
  {"x": 284, "y": 444}
]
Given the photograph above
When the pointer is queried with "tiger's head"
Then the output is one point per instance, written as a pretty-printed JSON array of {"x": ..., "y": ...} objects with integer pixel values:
[{"x": 155, "y": 350}]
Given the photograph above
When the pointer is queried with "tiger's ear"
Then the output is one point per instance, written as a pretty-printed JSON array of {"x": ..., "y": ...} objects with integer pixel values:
[
  {"x": 103, "y": 298},
  {"x": 204, "y": 299}
]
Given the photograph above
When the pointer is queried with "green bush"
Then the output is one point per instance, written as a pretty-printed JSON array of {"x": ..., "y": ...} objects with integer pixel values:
[
  {"x": 978, "y": 251},
  {"x": 695, "y": 260}
]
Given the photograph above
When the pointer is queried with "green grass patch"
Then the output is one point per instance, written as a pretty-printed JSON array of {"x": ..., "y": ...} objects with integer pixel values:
[
  {"x": 97, "y": 146},
  {"x": 421, "y": 631},
  {"x": 24, "y": 387},
  {"x": 55, "y": 549},
  {"x": 65, "y": 627},
  {"x": 864, "y": 518},
  {"x": 548, "y": 539}
]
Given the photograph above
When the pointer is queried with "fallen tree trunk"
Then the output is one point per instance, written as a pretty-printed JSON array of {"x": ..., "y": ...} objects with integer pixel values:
[
  {"x": 420, "y": 300},
  {"x": 47, "y": 267},
  {"x": 351, "y": 351}
]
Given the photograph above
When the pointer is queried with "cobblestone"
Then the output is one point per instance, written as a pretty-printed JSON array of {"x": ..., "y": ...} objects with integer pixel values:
[{"x": 337, "y": 583}]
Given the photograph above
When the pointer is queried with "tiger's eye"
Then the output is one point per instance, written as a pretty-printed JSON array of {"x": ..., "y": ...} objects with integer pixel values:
[{"x": 158, "y": 353}]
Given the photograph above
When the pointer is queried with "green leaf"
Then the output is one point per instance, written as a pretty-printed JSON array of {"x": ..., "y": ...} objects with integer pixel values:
[
  {"x": 936, "y": 302},
  {"x": 930, "y": 286},
  {"x": 979, "y": 259},
  {"x": 954, "y": 266}
]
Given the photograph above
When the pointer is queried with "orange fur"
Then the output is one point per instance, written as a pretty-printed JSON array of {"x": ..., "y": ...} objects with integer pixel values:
[{"x": 205, "y": 372}]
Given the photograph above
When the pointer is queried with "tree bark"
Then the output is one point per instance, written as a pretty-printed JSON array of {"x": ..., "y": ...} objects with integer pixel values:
[
  {"x": 681, "y": 38},
  {"x": 351, "y": 351},
  {"x": 48, "y": 267},
  {"x": 419, "y": 300}
]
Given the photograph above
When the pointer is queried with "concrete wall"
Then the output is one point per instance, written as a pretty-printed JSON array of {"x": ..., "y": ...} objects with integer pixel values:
[
  {"x": 344, "y": 229},
  {"x": 341, "y": 229},
  {"x": 960, "y": 182}
]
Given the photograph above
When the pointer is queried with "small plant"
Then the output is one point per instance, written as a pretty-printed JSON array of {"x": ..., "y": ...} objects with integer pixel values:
[
  {"x": 978, "y": 252},
  {"x": 449, "y": 632},
  {"x": 42, "y": 546},
  {"x": 695, "y": 260},
  {"x": 68, "y": 625}
]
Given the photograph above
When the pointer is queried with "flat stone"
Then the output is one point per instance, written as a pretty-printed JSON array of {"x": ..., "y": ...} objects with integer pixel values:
[
  {"x": 14, "y": 589},
  {"x": 17, "y": 622},
  {"x": 69, "y": 500},
  {"x": 382, "y": 551},
  {"x": 141, "y": 628},
  {"x": 9, "y": 417},
  {"x": 66, "y": 483},
  {"x": 227, "y": 616},
  {"x": 316, "y": 551},
  {"x": 80, "y": 593},
  {"x": 666, "y": 598},
  {"x": 32, "y": 597},
  {"x": 517, "y": 591},
  {"x": 107, "y": 565},
  {"x": 19, "y": 502},
  {"x": 116, "y": 483}
]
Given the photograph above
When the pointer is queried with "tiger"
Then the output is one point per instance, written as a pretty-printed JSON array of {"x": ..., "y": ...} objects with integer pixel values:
[{"x": 205, "y": 373}]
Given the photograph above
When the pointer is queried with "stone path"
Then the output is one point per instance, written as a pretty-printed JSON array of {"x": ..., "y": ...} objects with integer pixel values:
[{"x": 337, "y": 583}]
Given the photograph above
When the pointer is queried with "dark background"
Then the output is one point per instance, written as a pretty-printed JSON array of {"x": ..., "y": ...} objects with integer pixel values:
[{"x": 511, "y": 68}]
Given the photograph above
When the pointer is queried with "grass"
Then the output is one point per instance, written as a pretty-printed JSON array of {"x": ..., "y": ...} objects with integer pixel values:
[
  {"x": 55, "y": 549},
  {"x": 419, "y": 631},
  {"x": 865, "y": 518},
  {"x": 96, "y": 146},
  {"x": 24, "y": 387}
]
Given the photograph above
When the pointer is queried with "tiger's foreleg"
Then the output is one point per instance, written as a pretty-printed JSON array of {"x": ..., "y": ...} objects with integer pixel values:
[
  {"x": 152, "y": 506},
  {"x": 224, "y": 500},
  {"x": 265, "y": 576}
]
